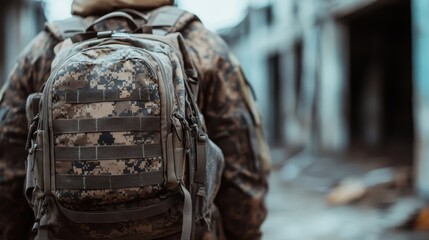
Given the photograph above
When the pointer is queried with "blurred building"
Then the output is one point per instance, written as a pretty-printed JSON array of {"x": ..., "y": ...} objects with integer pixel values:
[
  {"x": 20, "y": 21},
  {"x": 338, "y": 75}
]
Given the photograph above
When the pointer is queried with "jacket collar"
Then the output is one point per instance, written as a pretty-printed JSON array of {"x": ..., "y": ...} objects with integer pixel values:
[{"x": 98, "y": 7}]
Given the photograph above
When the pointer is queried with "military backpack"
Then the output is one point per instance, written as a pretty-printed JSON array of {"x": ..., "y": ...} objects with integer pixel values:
[{"x": 117, "y": 145}]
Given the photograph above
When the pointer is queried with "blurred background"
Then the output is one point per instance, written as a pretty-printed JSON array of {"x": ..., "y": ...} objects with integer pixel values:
[{"x": 343, "y": 87}]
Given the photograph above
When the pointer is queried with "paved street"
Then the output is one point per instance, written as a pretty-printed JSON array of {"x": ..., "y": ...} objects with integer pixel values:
[{"x": 298, "y": 209}]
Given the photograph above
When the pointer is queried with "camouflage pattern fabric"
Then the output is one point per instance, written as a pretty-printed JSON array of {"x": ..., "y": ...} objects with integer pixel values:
[
  {"x": 115, "y": 71},
  {"x": 240, "y": 201},
  {"x": 164, "y": 225},
  {"x": 241, "y": 196},
  {"x": 87, "y": 75},
  {"x": 27, "y": 76},
  {"x": 126, "y": 76}
]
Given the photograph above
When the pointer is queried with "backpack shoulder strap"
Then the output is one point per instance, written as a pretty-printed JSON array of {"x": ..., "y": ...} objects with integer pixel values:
[
  {"x": 169, "y": 19},
  {"x": 66, "y": 28}
]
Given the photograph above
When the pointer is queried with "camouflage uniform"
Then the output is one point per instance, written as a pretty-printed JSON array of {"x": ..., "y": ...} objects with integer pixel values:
[{"x": 229, "y": 112}]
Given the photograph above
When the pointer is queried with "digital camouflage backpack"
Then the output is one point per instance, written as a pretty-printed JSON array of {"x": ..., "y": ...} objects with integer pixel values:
[{"x": 117, "y": 145}]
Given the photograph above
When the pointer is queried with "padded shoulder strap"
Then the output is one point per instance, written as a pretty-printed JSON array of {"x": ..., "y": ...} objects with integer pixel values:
[
  {"x": 169, "y": 19},
  {"x": 64, "y": 29}
]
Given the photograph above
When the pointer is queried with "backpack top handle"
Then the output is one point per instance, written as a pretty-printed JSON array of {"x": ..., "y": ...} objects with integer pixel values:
[{"x": 119, "y": 14}]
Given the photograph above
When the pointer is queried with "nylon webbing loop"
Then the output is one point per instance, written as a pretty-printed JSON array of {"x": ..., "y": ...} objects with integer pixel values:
[
  {"x": 107, "y": 152},
  {"x": 96, "y": 182},
  {"x": 187, "y": 215},
  {"x": 114, "y": 124},
  {"x": 118, "y": 14},
  {"x": 123, "y": 215},
  {"x": 108, "y": 95},
  {"x": 200, "y": 174}
]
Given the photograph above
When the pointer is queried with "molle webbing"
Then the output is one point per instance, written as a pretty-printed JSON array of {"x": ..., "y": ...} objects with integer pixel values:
[
  {"x": 138, "y": 94},
  {"x": 113, "y": 124},
  {"x": 97, "y": 182},
  {"x": 107, "y": 152},
  {"x": 121, "y": 216}
]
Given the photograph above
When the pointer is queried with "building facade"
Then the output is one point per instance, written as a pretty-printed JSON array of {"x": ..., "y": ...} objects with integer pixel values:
[{"x": 338, "y": 75}]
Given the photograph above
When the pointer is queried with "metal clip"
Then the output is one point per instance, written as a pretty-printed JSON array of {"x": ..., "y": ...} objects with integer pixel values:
[{"x": 105, "y": 34}]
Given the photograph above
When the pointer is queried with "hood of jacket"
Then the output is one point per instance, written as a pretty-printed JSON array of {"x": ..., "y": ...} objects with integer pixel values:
[{"x": 98, "y": 7}]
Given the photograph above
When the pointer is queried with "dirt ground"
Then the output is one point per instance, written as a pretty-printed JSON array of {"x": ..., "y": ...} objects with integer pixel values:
[{"x": 298, "y": 209}]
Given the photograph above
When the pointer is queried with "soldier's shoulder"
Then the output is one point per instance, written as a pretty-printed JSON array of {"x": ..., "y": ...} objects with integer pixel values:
[
  {"x": 197, "y": 31},
  {"x": 38, "y": 46},
  {"x": 61, "y": 29},
  {"x": 207, "y": 47}
]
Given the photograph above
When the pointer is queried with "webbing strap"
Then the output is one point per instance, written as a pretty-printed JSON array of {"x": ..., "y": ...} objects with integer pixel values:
[
  {"x": 123, "y": 215},
  {"x": 187, "y": 215},
  {"x": 108, "y": 95},
  {"x": 200, "y": 173},
  {"x": 107, "y": 152},
  {"x": 94, "y": 182},
  {"x": 166, "y": 16},
  {"x": 30, "y": 182},
  {"x": 114, "y": 124}
]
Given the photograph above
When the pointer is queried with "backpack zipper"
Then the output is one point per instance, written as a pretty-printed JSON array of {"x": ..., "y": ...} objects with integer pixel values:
[{"x": 167, "y": 95}]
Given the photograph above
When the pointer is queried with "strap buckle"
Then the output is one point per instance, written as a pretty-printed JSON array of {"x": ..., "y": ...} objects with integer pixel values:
[{"x": 31, "y": 131}]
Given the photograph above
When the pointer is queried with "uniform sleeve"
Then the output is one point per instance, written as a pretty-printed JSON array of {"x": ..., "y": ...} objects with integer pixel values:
[
  {"x": 231, "y": 124},
  {"x": 27, "y": 76}
]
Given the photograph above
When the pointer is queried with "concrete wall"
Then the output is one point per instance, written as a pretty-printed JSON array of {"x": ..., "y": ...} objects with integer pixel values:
[
  {"x": 316, "y": 87},
  {"x": 21, "y": 20},
  {"x": 421, "y": 93},
  {"x": 296, "y": 23}
]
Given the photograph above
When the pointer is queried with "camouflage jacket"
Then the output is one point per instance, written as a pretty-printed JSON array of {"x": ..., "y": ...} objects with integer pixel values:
[{"x": 224, "y": 98}]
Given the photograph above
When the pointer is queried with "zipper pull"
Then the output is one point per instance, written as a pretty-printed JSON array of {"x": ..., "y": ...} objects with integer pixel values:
[
  {"x": 182, "y": 120},
  {"x": 186, "y": 130},
  {"x": 175, "y": 128},
  {"x": 31, "y": 130}
]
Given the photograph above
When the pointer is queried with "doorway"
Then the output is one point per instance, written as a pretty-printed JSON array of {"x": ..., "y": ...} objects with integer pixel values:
[{"x": 381, "y": 117}]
